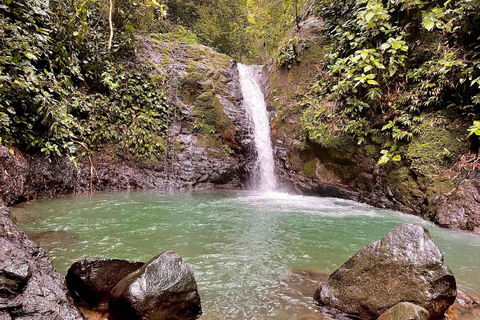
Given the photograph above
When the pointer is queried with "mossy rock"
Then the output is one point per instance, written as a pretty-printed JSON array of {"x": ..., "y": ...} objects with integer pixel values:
[
  {"x": 437, "y": 185},
  {"x": 310, "y": 168},
  {"x": 339, "y": 145},
  {"x": 404, "y": 186},
  {"x": 439, "y": 143},
  {"x": 209, "y": 141},
  {"x": 371, "y": 151},
  {"x": 212, "y": 118}
]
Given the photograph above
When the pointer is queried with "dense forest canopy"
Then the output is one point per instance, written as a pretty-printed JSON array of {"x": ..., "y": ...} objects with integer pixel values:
[{"x": 68, "y": 80}]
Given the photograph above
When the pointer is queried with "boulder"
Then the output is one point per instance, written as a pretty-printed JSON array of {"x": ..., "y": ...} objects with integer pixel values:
[
  {"x": 405, "y": 311},
  {"x": 405, "y": 265},
  {"x": 91, "y": 280},
  {"x": 163, "y": 289}
]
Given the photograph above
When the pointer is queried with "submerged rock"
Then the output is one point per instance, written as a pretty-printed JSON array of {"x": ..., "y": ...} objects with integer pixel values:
[
  {"x": 30, "y": 288},
  {"x": 164, "y": 288},
  {"x": 91, "y": 280},
  {"x": 405, "y": 311},
  {"x": 405, "y": 265}
]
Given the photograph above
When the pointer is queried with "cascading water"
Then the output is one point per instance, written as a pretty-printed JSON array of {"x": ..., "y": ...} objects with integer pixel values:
[{"x": 254, "y": 102}]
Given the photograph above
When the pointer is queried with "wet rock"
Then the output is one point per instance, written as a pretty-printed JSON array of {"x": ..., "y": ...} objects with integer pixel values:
[
  {"x": 460, "y": 209},
  {"x": 30, "y": 288},
  {"x": 405, "y": 311},
  {"x": 91, "y": 280},
  {"x": 14, "y": 276},
  {"x": 405, "y": 265},
  {"x": 465, "y": 300},
  {"x": 466, "y": 307},
  {"x": 164, "y": 288},
  {"x": 5, "y": 316}
]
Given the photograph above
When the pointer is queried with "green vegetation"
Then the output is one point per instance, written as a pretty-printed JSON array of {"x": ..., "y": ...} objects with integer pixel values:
[
  {"x": 70, "y": 75},
  {"x": 474, "y": 129},
  {"x": 390, "y": 62},
  {"x": 70, "y": 82},
  {"x": 288, "y": 53},
  {"x": 248, "y": 30},
  {"x": 62, "y": 87}
]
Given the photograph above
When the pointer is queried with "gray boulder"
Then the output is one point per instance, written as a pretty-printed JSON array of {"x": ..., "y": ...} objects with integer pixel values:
[
  {"x": 91, "y": 280},
  {"x": 163, "y": 289},
  {"x": 405, "y": 265},
  {"x": 405, "y": 311}
]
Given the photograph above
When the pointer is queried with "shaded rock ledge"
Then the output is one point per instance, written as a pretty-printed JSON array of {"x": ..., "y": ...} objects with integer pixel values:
[
  {"x": 404, "y": 266},
  {"x": 30, "y": 288}
]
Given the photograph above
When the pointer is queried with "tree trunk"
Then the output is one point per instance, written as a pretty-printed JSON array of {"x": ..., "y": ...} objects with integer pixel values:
[{"x": 111, "y": 26}]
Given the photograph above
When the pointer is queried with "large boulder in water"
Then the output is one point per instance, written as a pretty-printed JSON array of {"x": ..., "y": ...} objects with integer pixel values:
[
  {"x": 91, "y": 280},
  {"x": 164, "y": 288},
  {"x": 405, "y": 265}
]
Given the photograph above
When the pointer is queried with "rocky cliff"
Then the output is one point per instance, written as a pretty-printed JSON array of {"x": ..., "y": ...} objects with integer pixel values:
[
  {"x": 207, "y": 143},
  {"x": 437, "y": 178}
]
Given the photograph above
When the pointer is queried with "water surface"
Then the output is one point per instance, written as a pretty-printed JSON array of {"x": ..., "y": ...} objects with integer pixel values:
[{"x": 253, "y": 255}]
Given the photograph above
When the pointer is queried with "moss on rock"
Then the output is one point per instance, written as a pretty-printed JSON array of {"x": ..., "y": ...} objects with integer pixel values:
[{"x": 310, "y": 168}]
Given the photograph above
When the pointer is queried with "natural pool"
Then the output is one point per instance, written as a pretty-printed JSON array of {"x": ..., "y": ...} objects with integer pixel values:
[{"x": 252, "y": 254}]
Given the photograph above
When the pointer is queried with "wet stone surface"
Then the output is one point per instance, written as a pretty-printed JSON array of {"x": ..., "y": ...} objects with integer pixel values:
[
  {"x": 405, "y": 265},
  {"x": 30, "y": 288}
]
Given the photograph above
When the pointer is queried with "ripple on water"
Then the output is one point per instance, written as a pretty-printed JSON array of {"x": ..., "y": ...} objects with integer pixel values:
[{"x": 253, "y": 255}]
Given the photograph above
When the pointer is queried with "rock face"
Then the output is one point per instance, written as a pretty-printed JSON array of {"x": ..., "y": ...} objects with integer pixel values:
[
  {"x": 91, "y": 280},
  {"x": 405, "y": 311},
  {"x": 30, "y": 288},
  {"x": 164, "y": 288},
  {"x": 334, "y": 164},
  {"x": 405, "y": 265},
  {"x": 209, "y": 140},
  {"x": 461, "y": 208}
]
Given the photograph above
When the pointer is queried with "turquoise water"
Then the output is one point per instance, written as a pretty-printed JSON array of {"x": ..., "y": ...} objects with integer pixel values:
[{"x": 252, "y": 254}]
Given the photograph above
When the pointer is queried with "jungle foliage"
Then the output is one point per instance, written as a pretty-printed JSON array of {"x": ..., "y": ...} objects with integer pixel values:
[
  {"x": 64, "y": 86},
  {"x": 61, "y": 88},
  {"x": 248, "y": 30},
  {"x": 390, "y": 61}
]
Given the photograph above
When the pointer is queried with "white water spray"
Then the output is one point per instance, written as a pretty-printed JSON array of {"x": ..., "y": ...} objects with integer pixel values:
[{"x": 254, "y": 102}]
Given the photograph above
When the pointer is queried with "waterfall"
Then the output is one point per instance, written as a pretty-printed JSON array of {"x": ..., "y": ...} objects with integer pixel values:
[{"x": 254, "y": 102}]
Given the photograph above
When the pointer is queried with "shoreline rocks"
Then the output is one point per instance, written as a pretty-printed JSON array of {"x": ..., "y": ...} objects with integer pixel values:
[
  {"x": 162, "y": 289},
  {"x": 404, "y": 266},
  {"x": 30, "y": 288}
]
